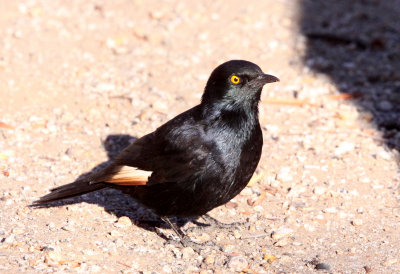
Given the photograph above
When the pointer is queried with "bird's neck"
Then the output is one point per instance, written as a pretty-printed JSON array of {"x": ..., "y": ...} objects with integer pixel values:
[{"x": 237, "y": 116}]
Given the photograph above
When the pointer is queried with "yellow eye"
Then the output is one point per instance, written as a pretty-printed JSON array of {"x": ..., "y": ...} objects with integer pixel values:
[{"x": 235, "y": 79}]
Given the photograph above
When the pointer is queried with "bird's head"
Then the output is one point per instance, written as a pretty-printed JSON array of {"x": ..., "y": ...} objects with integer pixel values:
[{"x": 236, "y": 82}]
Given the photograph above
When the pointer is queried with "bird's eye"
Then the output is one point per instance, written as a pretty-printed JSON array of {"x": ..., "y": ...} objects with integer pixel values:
[{"x": 235, "y": 79}]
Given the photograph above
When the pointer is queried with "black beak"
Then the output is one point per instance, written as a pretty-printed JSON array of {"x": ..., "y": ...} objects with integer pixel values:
[{"x": 263, "y": 79}]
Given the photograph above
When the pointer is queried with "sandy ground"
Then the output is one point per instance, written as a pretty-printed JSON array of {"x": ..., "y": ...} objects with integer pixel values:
[{"x": 80, "y": 79}]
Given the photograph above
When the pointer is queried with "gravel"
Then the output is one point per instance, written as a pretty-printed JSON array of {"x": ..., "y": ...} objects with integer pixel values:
[{"x": 81, "y": 80}]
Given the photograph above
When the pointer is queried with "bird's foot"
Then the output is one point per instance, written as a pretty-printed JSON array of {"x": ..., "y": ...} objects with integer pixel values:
[
  {"x": 214, "y": 223},
  {"x": 184, "y": 240}
]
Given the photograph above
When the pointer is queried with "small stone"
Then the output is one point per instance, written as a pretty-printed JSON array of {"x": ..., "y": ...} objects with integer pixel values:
[
  {"x": 237, "y": 234},
  {"x": 158, "y": 105},
  {"x": 237, "y": 263},
  {"x": 281, "y": 233},
  {"x": 367, "y": 269},
  {"x": 9, "y": 240},
  {"x": 309, "y": 227},
  {"x": 229, "y": 248},
  {"x": 231, "y": 205},
  {"x": 94, "y": 269},
  {"x": 52, "y": 255},
  {"x": 322, "y": 266},
  {"x": 284, "y": 175},
  {"x": 167, "y": 269},
  {"x": 88, "y": 252},
  {"x": 281, "y": 242},
  {"x": 123, "y": 221},
  {"x": 157, "y": 15},
  {"x": 385, "y": 105},
  {"x": 51, "y": 226},
  {"x": 187, "y": 253},
  {"x": 68, "y": 227},
  {"x": 17, "y": 231},
  {"x": 118, "y": 242},
  {"x": 389, "y": 262},
  {"x": 343, "y": 148},
  {"x": 357, "y": 222},
  {"x": 319, "y": 190},
  {"x": 203, "y": 237},
  {"x": 246, "y": 191},
  {"x": 210, "y": 260},
  {"x": 330, "y": 210},
  {"x": 384, "y": 155},
  {"x": 269, "y": 258},
  {"x": 116, "y": 233}
]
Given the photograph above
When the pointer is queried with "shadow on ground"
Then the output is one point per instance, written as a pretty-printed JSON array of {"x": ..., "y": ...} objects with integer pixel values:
[
  {"x": 114, "y": 201},
  {"x": 357, "y": 44}
]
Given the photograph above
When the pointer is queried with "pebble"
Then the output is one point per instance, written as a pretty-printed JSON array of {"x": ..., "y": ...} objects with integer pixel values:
[
  {"x": 281, "y": 242},
  {"x": 385, "y": 105},
  {"x": 158, "y": 105},
  {"x": 367, "y": 269},
  {"x": 389, "y": 262},
  {"x": 119, "y": 242},
  {"x": 203, "y": 237},
  {"x": 210, "y": 260},
  {"x": 322, "y": 266},
  {"x": 246, "y": 191},
  {"x": 343, "y": 148},
  {"x": 281, "y": 233},
  {"x": 384, "y": 155},
  {"x": 229, "y": 248},
  {"x": 51, "y": 226},
  {"x": 319, "y": 190},
  {"x": 269, "y": 258},
  {"x": 94, "y": 269},
  {"x": 284, "y": 175},
  {"x": 237, "y": 234},
  {"x": 187, "y": 253},
  {"x": 166, "y": 269},
  {"x": 330, "y": 210},
  {"x": 123, "y": 222},
  {"x": 17, "y": 231},
  {"x": 237, "y": 263},
  {"x": 69, "y": 226},
  {"x": 116, "y": 233},
  {"x": 357, "y": 222},
  {"x": 9, "y": 240},
  {"x": 52, "y": 255}
]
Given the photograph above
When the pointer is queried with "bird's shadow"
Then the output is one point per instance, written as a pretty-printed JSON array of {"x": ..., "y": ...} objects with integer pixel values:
[{"x": 114, "y": 201}]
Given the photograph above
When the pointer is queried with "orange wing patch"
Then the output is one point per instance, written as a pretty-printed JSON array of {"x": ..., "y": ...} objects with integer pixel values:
[{"x": 128, "y": 176}]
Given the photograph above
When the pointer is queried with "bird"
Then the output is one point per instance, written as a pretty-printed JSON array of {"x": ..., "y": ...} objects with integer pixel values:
[{"x": 195, "y": 162}]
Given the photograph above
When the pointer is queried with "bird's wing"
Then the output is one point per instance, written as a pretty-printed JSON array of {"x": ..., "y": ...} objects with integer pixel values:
[
  {"x": 160, "y": 157},
  {"x": 124, "y": 170}
]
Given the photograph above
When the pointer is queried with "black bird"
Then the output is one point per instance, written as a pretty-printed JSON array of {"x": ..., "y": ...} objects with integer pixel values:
[{"x": 195, "y": 162}]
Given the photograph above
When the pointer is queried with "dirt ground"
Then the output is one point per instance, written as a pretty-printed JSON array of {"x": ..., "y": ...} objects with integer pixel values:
[{"x": 81, "y": 79}]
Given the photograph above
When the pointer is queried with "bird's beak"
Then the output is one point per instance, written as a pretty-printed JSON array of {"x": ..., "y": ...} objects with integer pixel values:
[{"x": 263, "y": 79}]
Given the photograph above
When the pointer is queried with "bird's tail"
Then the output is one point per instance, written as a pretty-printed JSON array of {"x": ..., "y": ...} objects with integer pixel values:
[
  {"x": 69, "y": 190},
  {"x": 113, "y": 175}
]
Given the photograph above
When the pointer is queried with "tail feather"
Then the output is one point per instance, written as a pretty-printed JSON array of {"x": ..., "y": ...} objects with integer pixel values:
[{"x": 69, "y": 190}]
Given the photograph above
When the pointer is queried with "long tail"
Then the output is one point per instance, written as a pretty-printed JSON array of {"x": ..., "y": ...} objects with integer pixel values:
[
  {"x": 68, "y": 191},
  {"x": 112, "y": 176}
]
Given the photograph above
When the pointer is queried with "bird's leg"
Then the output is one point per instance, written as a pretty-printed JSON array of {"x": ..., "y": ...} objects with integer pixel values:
[
  {"x": 183, "y": 238},
  {"x": 214, "y": 223},
  {"x": 175, "y": 228}
]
